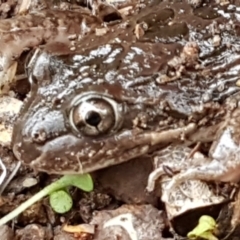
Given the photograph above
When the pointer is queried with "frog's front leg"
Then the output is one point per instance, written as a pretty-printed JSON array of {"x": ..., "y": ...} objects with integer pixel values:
[
  {"x": 187, "y": 194},
  {"x": 173, "y": 159},
  {"x": 209, "y": 172},
  {"x": 225, "y": 155}
]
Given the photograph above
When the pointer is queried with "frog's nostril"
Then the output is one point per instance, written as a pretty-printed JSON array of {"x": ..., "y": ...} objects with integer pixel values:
[{"x": 39, "y": 136}]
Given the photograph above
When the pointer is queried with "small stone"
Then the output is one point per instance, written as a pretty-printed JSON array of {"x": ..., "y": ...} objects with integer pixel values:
[
  {"x": 29, "y": 182},
  {"x": 238, "y": 83},
  {"x": 216, "y": 41},
  {"x": 101, "y": 31},
  {"x": 72, "y": 37},
  {"x": 9, "y": 108},
  {"x": 195, "y": 3},
  {"x": 34, "y": 231},
  {"x": 129, "y": 222},
  {"x": 73, "y": 48},
  {"x": 6, "y": 233}
]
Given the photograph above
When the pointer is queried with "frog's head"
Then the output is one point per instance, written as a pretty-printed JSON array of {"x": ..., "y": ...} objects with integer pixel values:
[{"x": 74, "y": 120}]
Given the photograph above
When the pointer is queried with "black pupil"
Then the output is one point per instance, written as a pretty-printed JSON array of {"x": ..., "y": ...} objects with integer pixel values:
[{"x": 93, "y": 119}]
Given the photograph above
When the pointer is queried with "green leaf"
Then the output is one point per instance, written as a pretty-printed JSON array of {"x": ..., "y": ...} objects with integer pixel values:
[
  {"x": 204, "y": 229},
  {"x": 83, "y": 181},
  {"x": 60, "y": 201}
]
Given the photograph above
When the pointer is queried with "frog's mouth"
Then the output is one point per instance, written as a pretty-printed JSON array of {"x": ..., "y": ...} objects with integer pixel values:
[
  {"x": 90, "y": 166},
  {"x": 61, "y": 155}
]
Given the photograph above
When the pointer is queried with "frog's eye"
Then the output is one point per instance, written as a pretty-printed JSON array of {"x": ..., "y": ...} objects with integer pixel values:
[{"x": 94, "y": 114}]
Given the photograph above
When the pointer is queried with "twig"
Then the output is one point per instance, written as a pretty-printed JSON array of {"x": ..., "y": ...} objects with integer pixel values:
[{"x": 12, "y": 175}]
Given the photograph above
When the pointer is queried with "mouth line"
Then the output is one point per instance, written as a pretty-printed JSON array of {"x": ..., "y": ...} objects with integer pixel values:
[{"x": 91, "y": 166}]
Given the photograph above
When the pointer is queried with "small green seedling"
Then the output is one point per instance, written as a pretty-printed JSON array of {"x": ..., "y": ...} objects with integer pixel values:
[
  {"x": 204, "y": 230},
  {"x": 83, "y": 182},
  {"x": 60, "y": 201}
]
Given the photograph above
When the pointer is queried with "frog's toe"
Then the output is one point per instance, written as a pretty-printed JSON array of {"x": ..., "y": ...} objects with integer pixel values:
[
  {"x": 174, "y": 183},
  {"x": 153, "y": 178}
]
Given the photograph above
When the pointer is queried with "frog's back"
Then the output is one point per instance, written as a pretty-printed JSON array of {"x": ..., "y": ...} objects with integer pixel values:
[{"x": 168, "y": 49}]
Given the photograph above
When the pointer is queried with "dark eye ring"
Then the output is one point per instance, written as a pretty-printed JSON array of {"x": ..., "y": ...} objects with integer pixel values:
[{"x": 94, "y": 114}]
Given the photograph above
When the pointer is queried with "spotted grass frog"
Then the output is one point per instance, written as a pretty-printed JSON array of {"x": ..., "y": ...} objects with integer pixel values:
[{"x": 167, "y": 75}]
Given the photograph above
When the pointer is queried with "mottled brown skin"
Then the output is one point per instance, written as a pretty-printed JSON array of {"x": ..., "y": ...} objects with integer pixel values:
[{"x": 167, "y": 80}]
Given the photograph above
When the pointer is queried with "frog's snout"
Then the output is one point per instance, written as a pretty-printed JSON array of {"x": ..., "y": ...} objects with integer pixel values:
[
  {"x": 39, "y": 136},
  {"x": 27, "y": 141},
  {"x": 25, "y": 151},
  {"x": 35, "y": 135}
]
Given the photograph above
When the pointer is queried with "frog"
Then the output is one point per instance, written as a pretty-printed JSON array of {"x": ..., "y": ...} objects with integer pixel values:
[{"x": 161, "y": 77}]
